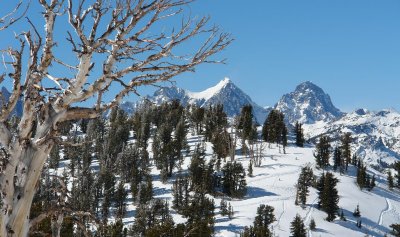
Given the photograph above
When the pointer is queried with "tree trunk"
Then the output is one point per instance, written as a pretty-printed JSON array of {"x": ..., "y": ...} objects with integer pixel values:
[{"x": 19, "y": 181}]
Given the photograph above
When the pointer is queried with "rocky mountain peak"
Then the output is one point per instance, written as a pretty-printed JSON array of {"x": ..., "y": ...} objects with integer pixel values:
[{"x": 308, "y": 103}]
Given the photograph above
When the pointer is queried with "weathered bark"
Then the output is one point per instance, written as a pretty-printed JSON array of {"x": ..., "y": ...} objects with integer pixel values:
[{"x": 117, "y": 30}]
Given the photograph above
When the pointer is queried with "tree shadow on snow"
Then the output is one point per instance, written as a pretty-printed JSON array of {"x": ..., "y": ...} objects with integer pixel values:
[
  {"x": 368, "y": 226},
  {"x": 255, "y": 192},
  {"x": 230, "y": 227}
]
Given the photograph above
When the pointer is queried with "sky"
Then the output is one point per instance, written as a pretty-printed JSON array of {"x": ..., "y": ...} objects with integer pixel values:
[{"x": 351, "y": 49}]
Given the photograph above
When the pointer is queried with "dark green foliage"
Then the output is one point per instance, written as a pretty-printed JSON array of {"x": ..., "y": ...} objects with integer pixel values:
[
  {"x": 312, "y": 226},
  {"x": 200, "y": 216},
  {"x": 346, "y": 140},
  {"x": 363, "y": 178},
  {"x": 357, "y": 212},
  {"x": 220, "y": 142},
  {"x": 120, "y": 201},
  {"x": 260, "y": 228},
  {"x": 151, "y": 218},
  {"x": 299, "y": 133},
  {"x": 54, "y": 157},
  {"x": 395, "y": 229},
  {"x": 396, "y": 167},
  {"x": 338, "y": 161},
  {"x": 328, "y": 195},
  {"x": 390, "y": 180},
  {"x": 234, "y": 180},
  {"x": 274, "y": 129},
  {"x": 306, "y": 179},
  {"x": 297, "y": 227},
  {"x": 197, "y": 118},
  {"x": 215, "y": 121},
  {"x": 180, "y": 193},
  {"x": 322, "y": 152},
  {"x": 245, "y": 125},
  {"x": 223, "y": 206}
]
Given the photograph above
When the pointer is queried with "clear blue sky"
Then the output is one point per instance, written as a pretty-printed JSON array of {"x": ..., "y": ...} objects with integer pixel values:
[{"x": 349, "y": 48}]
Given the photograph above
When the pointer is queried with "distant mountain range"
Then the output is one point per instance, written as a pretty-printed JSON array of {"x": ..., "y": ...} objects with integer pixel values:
[
  {"x": 225, "y": 93},
  {"x": 376, "y": 134}
]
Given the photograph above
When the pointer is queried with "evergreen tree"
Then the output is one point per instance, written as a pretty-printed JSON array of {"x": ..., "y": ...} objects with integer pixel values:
[
  {"x": 390, "y": 180},
  {"x": 265, "y": 216},
  {"x": 322, "y": 152},
  {"x": 312, "y": 226},
  {"x": 297, "y": 227},
  {"x": 396, "y": 167},
  {"x": 200, "y": 216},
  {"x": 337, "y": 159},
  {"x": 330, "y": 197},
  {"x": 357, "y": 212},
  {"x": 224, "y": 211},
  {"x": 234, "y": 180},
  {"x": 395, "y": 229},
  {"x": 245, "y": 123},
  {"x": 346, "y": 148},
  {"x": 304, "y": 182},
  {"x": 342, "y": 217},
  {"x": 298, "y": 130},
  {"x": 120, "y": 201},
  {"x": 274, "y": 129}
]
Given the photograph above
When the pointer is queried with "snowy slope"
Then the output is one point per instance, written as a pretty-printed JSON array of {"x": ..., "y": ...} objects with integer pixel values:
[
  {"x": 273, "y": 184},
  {"x": 376, "y": 134},
  {"x": 308, "y": 104},
  {"x": 225, "y": 92}
]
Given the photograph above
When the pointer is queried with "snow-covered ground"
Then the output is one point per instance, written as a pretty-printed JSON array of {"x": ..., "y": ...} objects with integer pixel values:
[{"x": 274, "y": 184}]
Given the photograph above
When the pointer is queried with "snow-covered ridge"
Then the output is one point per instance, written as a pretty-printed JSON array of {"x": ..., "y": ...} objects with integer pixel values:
[
  {"x": 224, "y": 92},
  {"x": 210, "y": 92}
]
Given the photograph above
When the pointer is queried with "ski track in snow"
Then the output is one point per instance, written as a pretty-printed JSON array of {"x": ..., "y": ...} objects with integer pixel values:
[
  {"x": 280, "y": 217},
  {"x": 386, "y": 210}
]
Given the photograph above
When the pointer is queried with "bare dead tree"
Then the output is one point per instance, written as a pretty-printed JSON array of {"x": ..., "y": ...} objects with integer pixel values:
[{"x": 114, "y": 48}]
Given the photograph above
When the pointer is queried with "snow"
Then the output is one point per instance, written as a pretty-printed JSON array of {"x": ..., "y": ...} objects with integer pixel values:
[
  {"x": 274, "y": 184},
  {"x": 210, "y": 92}
]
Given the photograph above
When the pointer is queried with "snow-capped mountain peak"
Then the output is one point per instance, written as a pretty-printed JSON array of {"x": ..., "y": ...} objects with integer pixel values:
[{"x": 308, "y": 103}]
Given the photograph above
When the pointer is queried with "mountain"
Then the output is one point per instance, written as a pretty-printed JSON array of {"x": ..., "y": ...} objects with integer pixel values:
[
  {"x": 376, "y": 135},
  {"x": 225, "y": 93},
  {"x": 5, "y": 96},
  {"x": 308, "y": 104}
]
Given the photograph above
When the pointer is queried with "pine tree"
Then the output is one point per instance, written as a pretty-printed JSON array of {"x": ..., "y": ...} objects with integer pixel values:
[
  {"x": 265, "y": 217},
  {"x": 234, "y": 180},
  {"x": 395, "y": 229},
  {"x": 337, "y": 159},
  {"x": 342, "y": 217},
  {"x": 346, "y": 148},
  {"x": 312, "y": 226},
  {"x": 396, "y": 167},
  {"x": 120, "y": 201},
  {"x": 297, "y": 227},
  {"x": 304, "y": 182},
  {"x": 298, "y": 130},
  {"x": 224, "y": 211},
  {"x": 322, "y": 152},
  {"x": 390, "y": 180},
  {"x": 330, "y": 197},
  {"x": 357, "y": 212}
]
